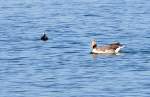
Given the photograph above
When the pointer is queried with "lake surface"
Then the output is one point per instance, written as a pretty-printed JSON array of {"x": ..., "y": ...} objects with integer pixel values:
[{"x": 63, "y": 66}]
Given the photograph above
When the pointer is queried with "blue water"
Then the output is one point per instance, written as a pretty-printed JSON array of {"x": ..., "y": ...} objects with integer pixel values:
[{"x": 63, "y": 66}]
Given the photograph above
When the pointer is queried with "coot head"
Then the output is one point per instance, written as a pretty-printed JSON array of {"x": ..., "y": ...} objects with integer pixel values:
[{"x": 44, "y": 37}]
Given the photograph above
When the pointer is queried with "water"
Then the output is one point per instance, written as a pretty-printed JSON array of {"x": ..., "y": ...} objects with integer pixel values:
[{"x": 62, "y": 66}]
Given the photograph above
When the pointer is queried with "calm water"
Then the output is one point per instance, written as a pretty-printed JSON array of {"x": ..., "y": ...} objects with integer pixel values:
[{"x": 62, "y": 66}]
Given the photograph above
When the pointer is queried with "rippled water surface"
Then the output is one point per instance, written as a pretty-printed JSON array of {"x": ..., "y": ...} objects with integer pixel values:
[{"x": 63, "y": 66}]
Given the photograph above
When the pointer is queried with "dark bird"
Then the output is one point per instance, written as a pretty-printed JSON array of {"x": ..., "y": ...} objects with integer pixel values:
[{"x": 44, "y": 37}]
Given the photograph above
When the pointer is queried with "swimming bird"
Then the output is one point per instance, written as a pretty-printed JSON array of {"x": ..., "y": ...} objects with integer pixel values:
[
  {"x": 112, "y": 48},
  {"x": 44, "y": 37}
]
